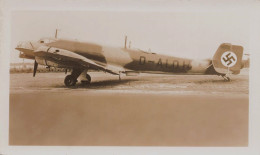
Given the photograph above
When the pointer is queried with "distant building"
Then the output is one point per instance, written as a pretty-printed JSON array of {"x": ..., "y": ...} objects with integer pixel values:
[{"x": 28, "y": 68}]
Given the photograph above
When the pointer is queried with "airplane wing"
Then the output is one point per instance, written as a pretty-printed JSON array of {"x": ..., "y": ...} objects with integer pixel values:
[
  {"x": 106, "y": 68},
  {"x": 73, "y": 60}
]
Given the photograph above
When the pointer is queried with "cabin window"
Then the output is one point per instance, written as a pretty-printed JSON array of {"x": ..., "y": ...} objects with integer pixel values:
[{"x": 46, "y": 40}]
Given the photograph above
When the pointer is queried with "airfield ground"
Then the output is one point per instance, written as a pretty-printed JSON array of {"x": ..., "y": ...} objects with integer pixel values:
[{"x": 146, "y": 110}]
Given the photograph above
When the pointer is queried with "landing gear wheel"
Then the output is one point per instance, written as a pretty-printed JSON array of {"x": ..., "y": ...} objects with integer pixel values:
[
  {"x": 85, "y": 82},
  {"x": 88, "y": 77},
  {"x": 70, "y": 81}
]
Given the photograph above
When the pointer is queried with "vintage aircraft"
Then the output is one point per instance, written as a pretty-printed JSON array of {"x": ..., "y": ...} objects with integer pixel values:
[{"x": 79, "y": 57}]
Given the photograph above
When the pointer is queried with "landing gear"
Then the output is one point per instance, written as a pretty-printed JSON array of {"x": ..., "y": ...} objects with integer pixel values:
[
  {"x": 71, "y": 80},
  {"x": 88, "y": 77},
  {"x": 119, "y": 76},
  {"x": 226, "y": 79},
  {"x": 86, "y": 80}
]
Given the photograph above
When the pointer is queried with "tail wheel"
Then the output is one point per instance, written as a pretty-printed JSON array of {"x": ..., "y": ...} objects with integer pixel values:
[
  {"x": 70, "y": 81},
  {"x": 227, "y": 79}
]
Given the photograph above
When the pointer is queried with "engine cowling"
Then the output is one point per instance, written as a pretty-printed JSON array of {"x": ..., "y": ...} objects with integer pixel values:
[
  {"x": 46, "y": 62},
  {"x": 42, "y": 56}
]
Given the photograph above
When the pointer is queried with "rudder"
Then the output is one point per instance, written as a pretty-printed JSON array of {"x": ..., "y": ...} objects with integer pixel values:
[{"x": 228, "y": 59}]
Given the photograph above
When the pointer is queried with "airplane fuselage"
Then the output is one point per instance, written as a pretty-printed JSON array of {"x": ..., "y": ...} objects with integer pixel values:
[
  {"x": 133, "y": 59},
  {"x": 82, "y": 56}
]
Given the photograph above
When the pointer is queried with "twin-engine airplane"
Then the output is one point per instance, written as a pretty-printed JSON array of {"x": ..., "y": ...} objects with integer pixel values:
[{"x": 82, "y": 56}]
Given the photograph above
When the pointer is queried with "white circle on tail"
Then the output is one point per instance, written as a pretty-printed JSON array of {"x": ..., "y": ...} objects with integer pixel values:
[{"x": 228, "y": 59}]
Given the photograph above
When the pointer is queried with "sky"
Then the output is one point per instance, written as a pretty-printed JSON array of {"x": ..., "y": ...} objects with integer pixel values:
[{"x": 183, "y": 34}]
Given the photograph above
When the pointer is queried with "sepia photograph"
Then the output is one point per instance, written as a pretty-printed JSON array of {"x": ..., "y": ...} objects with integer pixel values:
[
  {"x": 126, "y": 77},
  {"x": 129, "y": 78}
]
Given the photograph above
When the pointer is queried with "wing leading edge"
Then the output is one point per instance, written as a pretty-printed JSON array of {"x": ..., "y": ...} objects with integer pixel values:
[{"x": 61, "y": 56}]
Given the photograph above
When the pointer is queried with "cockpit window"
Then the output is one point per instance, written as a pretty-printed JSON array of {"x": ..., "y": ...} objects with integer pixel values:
[{"x": 47, "y": 40}]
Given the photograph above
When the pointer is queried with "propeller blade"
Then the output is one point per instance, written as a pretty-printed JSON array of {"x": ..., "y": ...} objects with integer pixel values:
[{"x": 35, "y": 68}]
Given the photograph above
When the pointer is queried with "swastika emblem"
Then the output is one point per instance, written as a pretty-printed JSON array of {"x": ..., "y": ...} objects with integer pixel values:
[{"x": 229, "y": 59}]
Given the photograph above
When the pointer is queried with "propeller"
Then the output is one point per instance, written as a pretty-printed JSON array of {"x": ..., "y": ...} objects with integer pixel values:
[
  {"x": 35, "y": 68},
  {"x": 35, "y": 63}
]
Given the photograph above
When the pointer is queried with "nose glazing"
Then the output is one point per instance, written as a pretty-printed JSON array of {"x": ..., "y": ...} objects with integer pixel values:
[{"x": 25, "y": 45}]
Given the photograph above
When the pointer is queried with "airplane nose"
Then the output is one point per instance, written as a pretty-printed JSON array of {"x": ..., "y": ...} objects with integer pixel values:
[
  {"x": 25, "y": 45},
  {"x": 26, "y": 49}
]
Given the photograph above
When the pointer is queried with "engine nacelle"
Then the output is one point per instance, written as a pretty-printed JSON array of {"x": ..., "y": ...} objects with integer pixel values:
[
  {"x": 56, "y": 57},
  {"x": 45, "y": 62},
  {"x": 42, "y": 56}
]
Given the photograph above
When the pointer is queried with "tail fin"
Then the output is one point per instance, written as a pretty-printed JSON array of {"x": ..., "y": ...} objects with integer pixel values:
[{"x": 228, "y": 59}]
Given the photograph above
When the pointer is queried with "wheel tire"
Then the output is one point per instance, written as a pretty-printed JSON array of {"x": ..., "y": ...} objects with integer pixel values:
[
  {"x": 88, "y": 77},
  {"x": 70, "y": 81}
]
